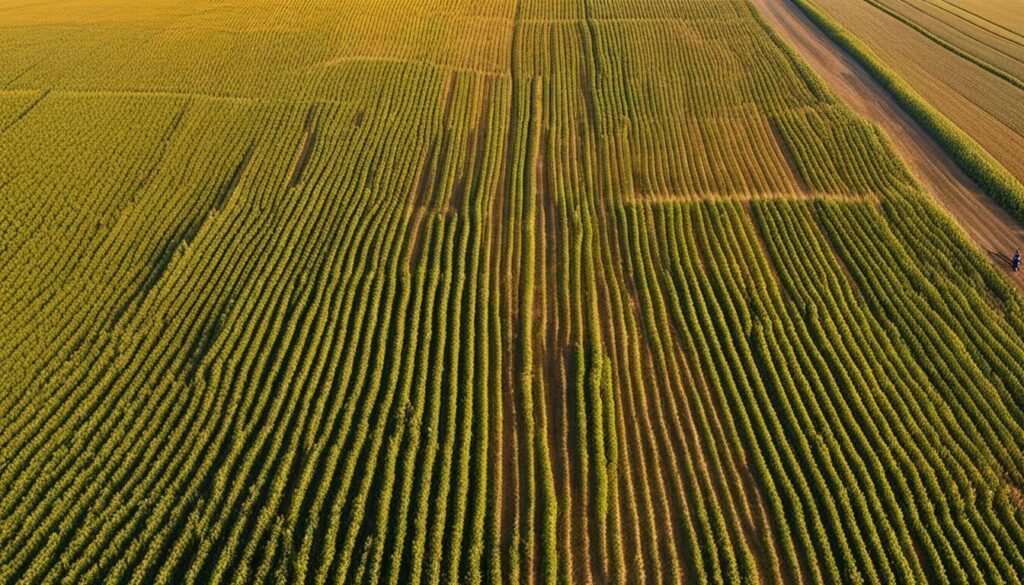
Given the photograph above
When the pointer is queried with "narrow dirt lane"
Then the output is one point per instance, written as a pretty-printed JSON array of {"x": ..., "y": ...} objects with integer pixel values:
[{"x": 988, "y": 225}]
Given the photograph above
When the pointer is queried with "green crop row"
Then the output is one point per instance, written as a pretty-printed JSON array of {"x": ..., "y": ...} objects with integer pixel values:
[{"x": 610, "y": 291}]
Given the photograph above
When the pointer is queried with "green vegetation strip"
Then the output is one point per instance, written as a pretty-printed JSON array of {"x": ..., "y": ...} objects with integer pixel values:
[{"x": 979, "y": 165}]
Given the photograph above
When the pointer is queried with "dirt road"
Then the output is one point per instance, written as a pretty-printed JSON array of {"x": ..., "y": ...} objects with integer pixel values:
[{"x": 988, "y": 225}]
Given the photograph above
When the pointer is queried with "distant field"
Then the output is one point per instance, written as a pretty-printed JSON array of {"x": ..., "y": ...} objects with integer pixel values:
[
  {"x": 480, "y": 292},
  {"x": 966, "y": 58},
  {"x": 990, "y": 32}
]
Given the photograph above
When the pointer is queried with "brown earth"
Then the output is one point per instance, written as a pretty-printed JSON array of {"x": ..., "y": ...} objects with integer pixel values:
[{"x": 990, "y": 227}]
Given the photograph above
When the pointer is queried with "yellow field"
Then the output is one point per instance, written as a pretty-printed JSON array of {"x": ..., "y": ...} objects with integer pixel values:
[{"x": 999, "y": 16}]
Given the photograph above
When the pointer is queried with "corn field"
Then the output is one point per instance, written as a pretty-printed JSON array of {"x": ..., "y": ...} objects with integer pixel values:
[{"x": 501, "y": 291}]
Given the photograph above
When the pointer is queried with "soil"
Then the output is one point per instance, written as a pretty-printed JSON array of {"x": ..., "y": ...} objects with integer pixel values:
[{"x": 990, "y": 227}]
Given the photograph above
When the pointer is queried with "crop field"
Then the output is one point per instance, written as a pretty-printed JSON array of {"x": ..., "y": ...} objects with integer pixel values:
[
  {"x": 966, "y": 58},
  {"x": 481, "y": 291}
]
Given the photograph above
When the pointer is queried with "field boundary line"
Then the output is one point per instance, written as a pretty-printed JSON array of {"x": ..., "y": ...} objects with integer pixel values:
[
  {"x": 26, "y": 111},
  {"x": 659, "y": 199}
]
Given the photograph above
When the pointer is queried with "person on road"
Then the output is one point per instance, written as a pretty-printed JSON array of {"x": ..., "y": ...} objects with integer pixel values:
[{"x": 1016, "y": 260}]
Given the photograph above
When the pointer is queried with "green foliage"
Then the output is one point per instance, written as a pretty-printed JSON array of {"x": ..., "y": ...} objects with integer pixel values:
[{"x": 542, "y": 292}]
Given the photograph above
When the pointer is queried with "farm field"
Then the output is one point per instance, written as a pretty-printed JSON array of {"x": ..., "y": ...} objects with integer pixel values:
[
  {"x": 992, "y": 227},
  {"x": 965, "y": 58},
  {"x": 359, "y": 291}
]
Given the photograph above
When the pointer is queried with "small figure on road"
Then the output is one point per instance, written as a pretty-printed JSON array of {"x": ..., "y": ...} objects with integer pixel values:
[{"x": 1016, "y": 260}]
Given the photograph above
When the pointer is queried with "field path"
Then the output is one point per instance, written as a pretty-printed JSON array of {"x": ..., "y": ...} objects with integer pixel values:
[{"x": 988, "y": 225}]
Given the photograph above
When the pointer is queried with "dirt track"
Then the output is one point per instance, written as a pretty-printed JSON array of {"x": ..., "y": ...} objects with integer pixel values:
[{"x": 988, "y": 225}]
